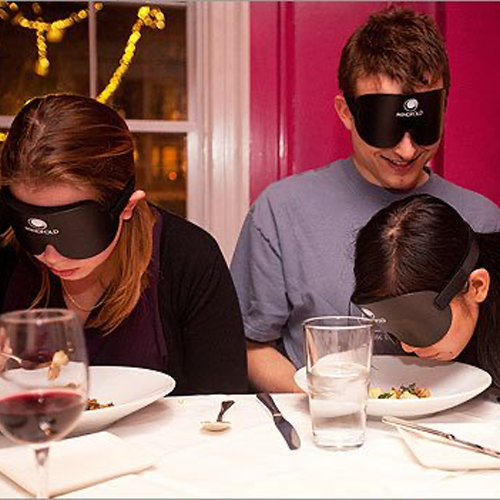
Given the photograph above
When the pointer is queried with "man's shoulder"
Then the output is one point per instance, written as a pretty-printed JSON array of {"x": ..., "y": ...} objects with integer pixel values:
[
  {"x": 479, "y": 211},
  {"x": 303, "y": 183}
]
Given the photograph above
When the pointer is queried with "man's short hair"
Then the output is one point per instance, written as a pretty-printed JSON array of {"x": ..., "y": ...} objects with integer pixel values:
[{"x": 400, "y": 43}]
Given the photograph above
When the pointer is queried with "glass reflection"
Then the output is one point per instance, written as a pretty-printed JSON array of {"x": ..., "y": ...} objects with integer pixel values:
[
  {"x": 161, "y": 168},
  {"x": 155, "y": 85},
  {"x": 67, "y": 52}
]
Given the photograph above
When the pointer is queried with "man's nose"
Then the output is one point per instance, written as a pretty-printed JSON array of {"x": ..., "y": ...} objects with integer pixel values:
[{"x": 405, "y": 148}]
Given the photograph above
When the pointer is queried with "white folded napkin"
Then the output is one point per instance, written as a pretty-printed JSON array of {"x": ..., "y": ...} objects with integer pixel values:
[
  {"x": 76, "y": 463},
  {"x": 437, "y": 453}
]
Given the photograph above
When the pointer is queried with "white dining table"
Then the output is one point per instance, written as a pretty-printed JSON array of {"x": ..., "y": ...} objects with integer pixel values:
[{"x": 251, "y": 459}]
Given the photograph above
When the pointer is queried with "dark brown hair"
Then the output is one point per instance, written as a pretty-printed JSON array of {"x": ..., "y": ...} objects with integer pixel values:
[
  {"x": 68, "y": 138},
  {"x": 417, "y": 244},
  {"x": 404, "y": 45}
]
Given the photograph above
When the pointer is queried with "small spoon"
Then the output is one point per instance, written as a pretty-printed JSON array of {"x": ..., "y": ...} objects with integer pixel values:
[{"x": 219, "y": 425}]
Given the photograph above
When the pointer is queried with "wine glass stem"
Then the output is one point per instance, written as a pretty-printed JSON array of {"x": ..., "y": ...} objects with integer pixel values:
[{"x": 42, "y": 455}]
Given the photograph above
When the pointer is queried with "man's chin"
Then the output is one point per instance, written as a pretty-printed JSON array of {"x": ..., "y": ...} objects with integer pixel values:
[
  {"x": 408, "y": 182},
  {"x": 384, "y": 174},
  {"x": 406, "y": 187}
]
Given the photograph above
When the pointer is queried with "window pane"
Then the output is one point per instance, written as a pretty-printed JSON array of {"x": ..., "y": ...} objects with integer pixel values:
[
  {"x": 67, "y": 52},
  {"x": 161, "y": 169},
  {"x": 154, "y": 86}
]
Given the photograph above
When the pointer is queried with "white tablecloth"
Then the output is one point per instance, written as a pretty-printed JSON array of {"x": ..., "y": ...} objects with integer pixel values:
[{"x": 252, "y": 460}]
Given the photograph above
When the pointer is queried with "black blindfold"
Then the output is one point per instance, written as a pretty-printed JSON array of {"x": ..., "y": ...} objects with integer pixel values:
[
  {"x": 77, "y": 231},
  {"x": 421, "y": 319},
  {"x": 383, "y": 119}
]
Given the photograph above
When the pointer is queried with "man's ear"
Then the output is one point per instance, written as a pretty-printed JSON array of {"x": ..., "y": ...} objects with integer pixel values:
[
  {"x": 136, "y": 197},
  {"x": 479, "y": 284},
  {"x": 344, "y": 112}
]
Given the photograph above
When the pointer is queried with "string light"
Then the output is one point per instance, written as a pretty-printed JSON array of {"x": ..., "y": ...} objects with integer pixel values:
[
  {"x": 146, "y": 16},
  {"x": 44, "y": 30},
  {"x": 37, "y": 9}
]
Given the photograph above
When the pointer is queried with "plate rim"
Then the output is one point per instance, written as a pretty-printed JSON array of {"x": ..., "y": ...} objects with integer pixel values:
[
  {"x": 377, "y": 405},
  {"x": 156, "y": 394}
]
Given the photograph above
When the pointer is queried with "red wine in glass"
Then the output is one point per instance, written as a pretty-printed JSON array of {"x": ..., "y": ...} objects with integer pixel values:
[
  {"x": 43, "y": 379},
  {"x": 40, "y": 417}
]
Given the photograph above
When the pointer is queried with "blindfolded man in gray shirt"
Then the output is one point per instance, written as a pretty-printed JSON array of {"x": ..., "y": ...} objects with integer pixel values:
[{"x": 294, "y": 257}]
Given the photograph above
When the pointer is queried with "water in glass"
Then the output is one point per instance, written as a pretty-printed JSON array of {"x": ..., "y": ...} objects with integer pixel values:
[{"x": 337, "y": 400}]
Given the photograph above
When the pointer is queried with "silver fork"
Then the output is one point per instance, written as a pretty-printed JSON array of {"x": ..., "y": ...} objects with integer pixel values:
[{"x": 24, "y": 363}]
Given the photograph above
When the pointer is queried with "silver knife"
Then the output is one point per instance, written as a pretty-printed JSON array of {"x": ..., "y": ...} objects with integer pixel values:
[
  {"x": 398, "y": 422},
  {"x": 284, "y": 426}
]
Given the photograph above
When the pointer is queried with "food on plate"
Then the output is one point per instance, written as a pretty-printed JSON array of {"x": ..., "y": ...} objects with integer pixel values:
[
  {"x": 93, "y": 404},
  {"x": 404, "y": 392},
  {"x": 59, "y": 359}
]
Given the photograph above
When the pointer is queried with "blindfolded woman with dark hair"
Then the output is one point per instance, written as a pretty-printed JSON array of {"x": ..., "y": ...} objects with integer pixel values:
[
  {"x": 152, "y": 289},
  {"x": 434, "y": 280}
]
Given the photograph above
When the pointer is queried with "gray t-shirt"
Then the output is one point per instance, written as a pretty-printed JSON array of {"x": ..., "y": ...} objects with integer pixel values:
[{"x": 294, "y": 257}]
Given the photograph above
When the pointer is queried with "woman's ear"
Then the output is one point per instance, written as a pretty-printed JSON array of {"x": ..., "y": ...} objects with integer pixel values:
[
  {"x": 136, "y": 197},
  {"x": 479, "y": 284},
  {"x": 344, "y": 112}
]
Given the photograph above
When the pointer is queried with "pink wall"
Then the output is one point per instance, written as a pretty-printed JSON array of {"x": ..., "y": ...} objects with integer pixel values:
[
  {"x": 295, "y": 47},
  {"x": 472, "y": 141},
  {"x": 321, "y": 30},
  {"x": 264, "y": 105}
]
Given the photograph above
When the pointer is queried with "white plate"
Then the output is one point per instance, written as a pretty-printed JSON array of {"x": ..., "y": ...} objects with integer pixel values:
[
  {"x": 438, "y": 454},
  {"x": 451, "y": 383},
  {"x": 128, "y": 388}
]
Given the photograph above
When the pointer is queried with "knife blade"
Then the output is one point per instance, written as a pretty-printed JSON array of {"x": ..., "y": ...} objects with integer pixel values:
[
  {"x": 284, "y": 426},
  {"x": 398, "y": 422}
]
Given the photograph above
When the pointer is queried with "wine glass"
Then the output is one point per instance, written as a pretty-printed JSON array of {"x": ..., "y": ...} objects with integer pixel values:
[{"x": 43, "y": 379}]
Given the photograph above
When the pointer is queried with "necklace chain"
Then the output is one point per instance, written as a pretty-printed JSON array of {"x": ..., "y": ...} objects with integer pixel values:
[{"x": 75, "y": 302}]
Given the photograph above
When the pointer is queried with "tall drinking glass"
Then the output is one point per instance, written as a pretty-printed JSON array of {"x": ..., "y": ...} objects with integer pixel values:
[
  {"x": 43, "y": 379},
  {"x": 338, "y": 358}
]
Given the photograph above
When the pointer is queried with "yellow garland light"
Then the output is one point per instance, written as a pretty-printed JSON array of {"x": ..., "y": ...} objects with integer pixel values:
[
  {"x": 146, "y": 16},
  {"x": 53, "y": 31}
]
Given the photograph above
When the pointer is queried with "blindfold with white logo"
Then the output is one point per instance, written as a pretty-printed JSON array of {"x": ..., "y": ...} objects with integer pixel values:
[
  {"x": 77, "y": 231},
  {"x": 383, "y": 119},
  {"x": 421, "y": 319}
]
